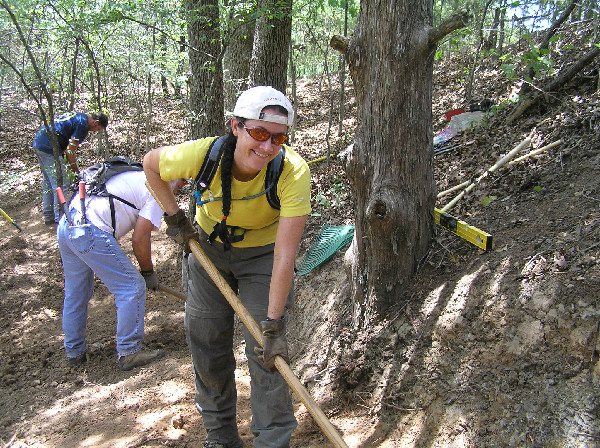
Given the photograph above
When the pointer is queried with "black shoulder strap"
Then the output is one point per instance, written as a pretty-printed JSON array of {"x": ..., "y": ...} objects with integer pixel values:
[
  {"x": 274, "y": 170},
  {"x": 111, "y": 203},
  {"x": 210, "y": 165}
]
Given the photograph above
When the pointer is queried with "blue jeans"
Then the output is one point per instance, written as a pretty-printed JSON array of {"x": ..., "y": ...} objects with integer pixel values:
[
  {"x": 51, "y": 208},
  {"x": 209, "y": 324},
  {"x": 86, "y": 250}
]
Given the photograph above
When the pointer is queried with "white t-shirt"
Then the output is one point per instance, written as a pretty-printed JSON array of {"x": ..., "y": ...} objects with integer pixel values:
[{"x": 130, "y": 186}]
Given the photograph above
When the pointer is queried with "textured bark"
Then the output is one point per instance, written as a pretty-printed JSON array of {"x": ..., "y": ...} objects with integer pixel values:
[
  {"x": 272, "y": 36},
  {"x": 237, "y": 55},
  {"x": 206, "y": 65},
  {"x": 391, "y": 165}
]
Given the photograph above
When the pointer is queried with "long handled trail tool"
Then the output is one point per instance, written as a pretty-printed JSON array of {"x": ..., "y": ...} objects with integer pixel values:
[
  {"x": 247, "y": 319},
  {"x": 9, "y": 219},
  {"x": 171, "y": 291}
]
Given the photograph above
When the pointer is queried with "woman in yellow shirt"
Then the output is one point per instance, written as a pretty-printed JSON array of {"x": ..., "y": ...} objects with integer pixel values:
[{"x": 254, "y": 247}]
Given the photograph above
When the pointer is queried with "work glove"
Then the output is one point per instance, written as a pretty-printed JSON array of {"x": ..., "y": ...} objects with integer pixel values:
[
  {"x": 273, "y": 343},
  {"x": 180, "y": 229},
  {"x": 151, "y": 279}
]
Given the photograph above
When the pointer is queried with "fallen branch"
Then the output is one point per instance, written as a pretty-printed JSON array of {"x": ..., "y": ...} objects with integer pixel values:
[
  {"x": 563, "y": 77},
  {"x": 453, "y": 189},
  {"x": 535, "y": 153},
  {"x": 503, "y": 161}
]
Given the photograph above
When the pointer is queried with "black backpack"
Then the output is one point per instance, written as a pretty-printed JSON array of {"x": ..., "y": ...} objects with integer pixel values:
[
  {"x": 96, "y": 176},
  {"x": 211, "y": 164}
]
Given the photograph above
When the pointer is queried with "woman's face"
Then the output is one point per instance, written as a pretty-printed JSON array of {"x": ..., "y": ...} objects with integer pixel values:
[{"x": 252, "y": 155}]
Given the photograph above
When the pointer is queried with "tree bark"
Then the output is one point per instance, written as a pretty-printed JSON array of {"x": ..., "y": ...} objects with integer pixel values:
[
  {"x": 390, "y": 58},
  {"x": 206, "y": 64},
  {"x": 272, "y": 36},
  {"x": 238, "y": 52}
]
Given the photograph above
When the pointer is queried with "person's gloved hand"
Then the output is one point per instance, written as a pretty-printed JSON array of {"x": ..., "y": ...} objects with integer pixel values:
[
  {"x": 273, "y": 343},
  {"x": 180, "y": 229},
  {"x": 151, "y": 279}
]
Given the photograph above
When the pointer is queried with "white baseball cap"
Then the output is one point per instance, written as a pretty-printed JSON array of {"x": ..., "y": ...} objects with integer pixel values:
[{"x": 251, "y": 103}]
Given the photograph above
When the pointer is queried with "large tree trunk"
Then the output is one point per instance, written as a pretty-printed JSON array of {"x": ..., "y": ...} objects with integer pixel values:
[
  {"x": 391, "y": 167},
  {"x": 206, "y": 65},
  {"x": 238, "y": 52},
  {"x": 272, "y": 36}
]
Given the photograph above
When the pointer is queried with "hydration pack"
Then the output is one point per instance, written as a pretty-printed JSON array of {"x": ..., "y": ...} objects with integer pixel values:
[{"x": 96, "y": 176}]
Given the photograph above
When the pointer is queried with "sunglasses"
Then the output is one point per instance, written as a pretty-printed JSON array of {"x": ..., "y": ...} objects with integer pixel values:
[{"x": 262, "y": 135}]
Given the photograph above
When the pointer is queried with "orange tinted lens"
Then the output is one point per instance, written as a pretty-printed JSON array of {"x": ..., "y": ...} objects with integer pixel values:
[
  {"x": 279, "y": 139},
  {"x": 259, "y": 134}
]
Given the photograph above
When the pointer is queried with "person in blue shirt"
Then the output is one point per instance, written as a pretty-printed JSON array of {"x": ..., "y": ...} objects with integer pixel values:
[{"x": 72, "y": 128}]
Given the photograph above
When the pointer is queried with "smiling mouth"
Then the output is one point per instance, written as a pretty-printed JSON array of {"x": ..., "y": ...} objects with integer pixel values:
[{"x": 260, "y": 155}]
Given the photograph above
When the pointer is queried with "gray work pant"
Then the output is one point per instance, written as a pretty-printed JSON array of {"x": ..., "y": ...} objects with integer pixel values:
[{"x": 209, "y": 325}]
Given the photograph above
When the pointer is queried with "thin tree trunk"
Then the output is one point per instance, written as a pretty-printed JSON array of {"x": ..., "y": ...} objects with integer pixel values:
[
  {"x": 149, "y": 95},
  {"x": 502, "y": 29},
  {"x": 294, "y": 96},
  {"x": 331, "y": 96},
  {"x": 73, "y": 76},
  {"x": 342, "y": 74},
  {"x": 469, "y": 89},
  {"x": 238, "y": 51}
]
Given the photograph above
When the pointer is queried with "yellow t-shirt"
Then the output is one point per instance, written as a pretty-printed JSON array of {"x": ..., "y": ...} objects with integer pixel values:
[{"x": 256, "y": 216}]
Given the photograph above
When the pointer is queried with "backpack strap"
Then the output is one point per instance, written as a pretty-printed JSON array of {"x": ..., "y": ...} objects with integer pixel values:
[
  {"x": 209, "y": 165},
  {"x": 111, "y": 202},
  {"x": 274, "y": 170}
]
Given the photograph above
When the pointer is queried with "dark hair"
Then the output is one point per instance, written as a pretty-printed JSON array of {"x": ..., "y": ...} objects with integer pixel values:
[
  {"x": 220, "y": 229},
  {"x": 102, "y": 118}
]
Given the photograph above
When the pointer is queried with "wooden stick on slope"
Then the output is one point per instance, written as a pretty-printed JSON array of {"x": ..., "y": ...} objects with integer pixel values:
[
  {"x": 247, "y": 319},
  {"x": 496, "y": 166}
]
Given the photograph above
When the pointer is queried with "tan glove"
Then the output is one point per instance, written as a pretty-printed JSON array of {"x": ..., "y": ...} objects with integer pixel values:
[
  {"x": 273, "y": 343},
  {"x": 180, "y": 229}
]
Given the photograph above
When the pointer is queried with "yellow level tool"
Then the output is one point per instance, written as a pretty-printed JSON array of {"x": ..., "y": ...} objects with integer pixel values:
[{"x": 472, "y": 234}]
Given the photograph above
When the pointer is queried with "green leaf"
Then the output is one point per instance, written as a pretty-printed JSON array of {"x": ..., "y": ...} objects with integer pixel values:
[
  {"x": 537, "y": 188},
  {"x": 508, "y": 68},
  {"x": 487, "y": 200}
]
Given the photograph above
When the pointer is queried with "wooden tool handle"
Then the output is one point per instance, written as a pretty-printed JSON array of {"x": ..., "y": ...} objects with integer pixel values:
[{"x": 172, "y": 291}]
